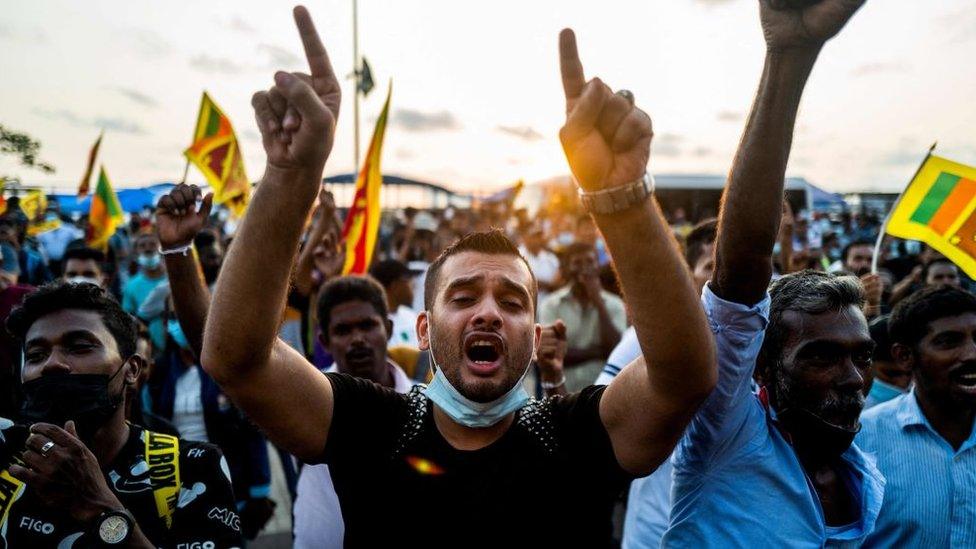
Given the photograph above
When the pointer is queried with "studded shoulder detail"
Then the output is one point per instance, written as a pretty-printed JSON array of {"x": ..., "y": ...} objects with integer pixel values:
[
  {"x": 536, "y": 419},
  {"x": 417, "y": 404}
]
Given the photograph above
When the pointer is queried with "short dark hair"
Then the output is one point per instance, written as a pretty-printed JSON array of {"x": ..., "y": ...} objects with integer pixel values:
[
  {"x": 852, "y": 245},
  {"x": 60, "y": 296},
  {"x": 928, "y": 266},
  {"x": 577, "y": 248},
  {"x": 882, "y": 341},
  {"x": 493, "y": 242},
  {"x": 83, "y": 253},
  {"x": 911, "y": 318},
  {"x": 700, "y": 236},
  {"x": 345, "y": 289},
  {"x": 811, "y": 292}
]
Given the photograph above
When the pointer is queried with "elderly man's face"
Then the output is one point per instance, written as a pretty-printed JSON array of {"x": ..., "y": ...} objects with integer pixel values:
[
  {"x": 823, "y": 364},
  {"x": 481, "y": 331}
]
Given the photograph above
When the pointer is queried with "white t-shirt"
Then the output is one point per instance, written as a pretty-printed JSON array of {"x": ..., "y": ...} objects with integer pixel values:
[
  {"x": 318, "y": 517},
  {"x": 404, "y": 327},
  {"x": 188, "y": 407}
]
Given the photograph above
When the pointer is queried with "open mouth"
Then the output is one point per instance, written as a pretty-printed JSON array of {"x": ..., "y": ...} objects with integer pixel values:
[
  {"x": 484, "y": 350},
  {"x": 965, "y": 376}
]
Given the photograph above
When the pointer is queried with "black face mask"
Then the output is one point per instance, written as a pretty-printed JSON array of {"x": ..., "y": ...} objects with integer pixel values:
[
  {"x": 83, "y": 398},
  {"x": 815, "y": 437}
]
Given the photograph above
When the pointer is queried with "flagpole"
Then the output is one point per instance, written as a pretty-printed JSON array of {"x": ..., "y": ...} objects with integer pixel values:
[
  {"x": 355, "y": 89},
  {"x": 884, "y": 226},
  {"x": 186, "y": 170}
]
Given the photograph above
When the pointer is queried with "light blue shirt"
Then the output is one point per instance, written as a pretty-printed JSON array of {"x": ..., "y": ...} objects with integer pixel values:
[
  {"x": 930, "y": 497},
  {"x": 737, "y": 481}
]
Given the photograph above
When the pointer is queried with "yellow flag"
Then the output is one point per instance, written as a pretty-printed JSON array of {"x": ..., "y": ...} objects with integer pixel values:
[
  {"x": 938, "y": 209},
  {"x": 216, "y": 153},
  {"x": 363, "y": 220}
]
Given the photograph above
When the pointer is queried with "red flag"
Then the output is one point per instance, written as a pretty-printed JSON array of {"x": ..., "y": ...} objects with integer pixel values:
[{"x": 92, "y": 154}]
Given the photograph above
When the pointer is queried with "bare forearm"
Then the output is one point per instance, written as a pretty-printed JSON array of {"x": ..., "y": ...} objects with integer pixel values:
[
  {"x": 191, "y": 298},
  {"x": 670, "y": 323},
  {"x": 250, "y": 297},
  {"x": 753, "y": 201}
]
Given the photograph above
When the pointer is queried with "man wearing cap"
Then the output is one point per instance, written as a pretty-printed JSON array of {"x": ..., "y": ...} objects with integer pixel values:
[{"x": 397, "y": 280}]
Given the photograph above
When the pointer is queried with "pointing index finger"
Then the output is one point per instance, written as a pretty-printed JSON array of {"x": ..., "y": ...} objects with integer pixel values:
[
  {"x": 570, "y": 65},
  {"x": 318, "y": 58}
]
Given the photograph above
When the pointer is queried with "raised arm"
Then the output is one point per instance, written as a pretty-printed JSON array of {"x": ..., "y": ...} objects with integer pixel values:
[
  {"x": 178, "y": 222},
  {"x": 607, "y": 141},
  {"x": 277, "y": 388},
  {"x": 752, "y": 204}
]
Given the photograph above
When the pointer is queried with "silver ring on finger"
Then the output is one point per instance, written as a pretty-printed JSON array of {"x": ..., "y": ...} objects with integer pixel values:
[
  {"x": 46, "y": 448},
  {"x": 628, "y": 95}
]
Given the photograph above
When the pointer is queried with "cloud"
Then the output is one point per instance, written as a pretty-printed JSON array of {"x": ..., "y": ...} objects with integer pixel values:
[
  {"x": 237, "y": 23},
  {"x": 149, "y": 43},
  {"x": 525, "y": 133},
  {"x": 713, "y": 2},
  {"x": 701, "y": 152},
  {"x": 111, "y": 123},
  {"x": 404, "y": 153},
  {"x": 279, "y": 57},
  {"x": 729, "y": 116},
  {"x": 418, "y": 121},
  {"x": 221, "y": 65},
  {"x": 868, "y": 69},
  {"x": 137, "y": 96},
  {"x": 667, "y": 145},
  {"x": 251, "y": 135}
]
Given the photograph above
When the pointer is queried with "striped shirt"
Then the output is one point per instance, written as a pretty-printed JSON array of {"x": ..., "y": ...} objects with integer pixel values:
[{"x": 930, "y": 496}]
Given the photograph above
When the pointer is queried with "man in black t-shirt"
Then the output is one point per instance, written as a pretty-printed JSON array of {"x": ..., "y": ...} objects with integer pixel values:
[
  {"x": 73, "y": 472},
  {"x": 470, "y": 453}
]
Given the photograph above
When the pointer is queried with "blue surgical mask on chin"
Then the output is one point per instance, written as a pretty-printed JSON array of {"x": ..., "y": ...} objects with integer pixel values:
[
  {"x": 467, "y": 412},
  {"x": 149, "y": 262}
]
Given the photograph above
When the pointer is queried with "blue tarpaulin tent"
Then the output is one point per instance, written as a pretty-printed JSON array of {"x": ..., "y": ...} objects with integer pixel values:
[{"x": 132, "y": 200}]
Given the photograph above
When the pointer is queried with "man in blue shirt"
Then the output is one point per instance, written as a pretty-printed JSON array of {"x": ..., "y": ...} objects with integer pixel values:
[
  {"x": 777, "y": 470},
  {"x": 152, "y": 273},
  {"x": 924, "y": 441}
]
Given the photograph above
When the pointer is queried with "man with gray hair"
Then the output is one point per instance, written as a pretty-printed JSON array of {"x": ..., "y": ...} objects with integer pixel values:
[{"x": 746, "y": 459}]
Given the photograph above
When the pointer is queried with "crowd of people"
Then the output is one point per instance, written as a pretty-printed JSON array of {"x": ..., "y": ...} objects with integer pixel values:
[{"x": 599, "y": 376}]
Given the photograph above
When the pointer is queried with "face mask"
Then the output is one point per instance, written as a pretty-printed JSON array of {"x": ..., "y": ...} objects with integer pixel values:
[
  {"x": 83, "y": 398},
  {"x": 148, "y": 262},
  {"x": 467, "y": 412},
  {"x": 83, "y": 280},
  {"x": 820, "y": 439},
  {"x": 176, "y": 332}
]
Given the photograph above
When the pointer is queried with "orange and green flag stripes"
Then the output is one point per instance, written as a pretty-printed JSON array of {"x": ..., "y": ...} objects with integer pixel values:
[
  {"x": 938, "y": 209},
  {"x": 104, "y": 215},
  {"x": 363, "y": 220},
  {"x": 216, "y": 153}
]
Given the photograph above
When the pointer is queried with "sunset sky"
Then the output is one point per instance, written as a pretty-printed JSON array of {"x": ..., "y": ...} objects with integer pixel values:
[{"x": 477, "y": 101}]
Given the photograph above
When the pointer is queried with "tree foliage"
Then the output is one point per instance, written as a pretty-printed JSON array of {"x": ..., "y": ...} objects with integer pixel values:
[{"x": 24, "y": 147}]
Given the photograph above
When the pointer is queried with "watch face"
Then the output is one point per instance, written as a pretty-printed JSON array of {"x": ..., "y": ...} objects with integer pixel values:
[{"x": 113, "y": 529}]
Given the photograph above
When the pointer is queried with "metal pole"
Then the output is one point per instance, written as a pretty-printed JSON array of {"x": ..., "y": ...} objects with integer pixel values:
[{"x": 355, "y": 90}]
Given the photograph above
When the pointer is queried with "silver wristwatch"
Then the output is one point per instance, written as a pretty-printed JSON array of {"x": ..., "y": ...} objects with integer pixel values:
[
  {"x": 113, "y": 528},
  {"x": 618, "y": 199}
]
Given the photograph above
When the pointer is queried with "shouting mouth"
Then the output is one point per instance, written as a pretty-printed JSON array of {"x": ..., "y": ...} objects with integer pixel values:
[{"x": 484, "y": 352}]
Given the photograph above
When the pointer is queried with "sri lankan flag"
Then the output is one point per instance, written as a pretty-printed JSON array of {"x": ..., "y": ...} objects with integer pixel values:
[
  {"x": 216, "y": 153},
  {"x": 363, "y": 220},
  {"x": 938, "y": 209},
  {"x": 104, "y": 215}
]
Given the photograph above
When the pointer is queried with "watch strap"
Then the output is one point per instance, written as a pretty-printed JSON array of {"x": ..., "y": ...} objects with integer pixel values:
[{"x": 618, "y": 199}]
